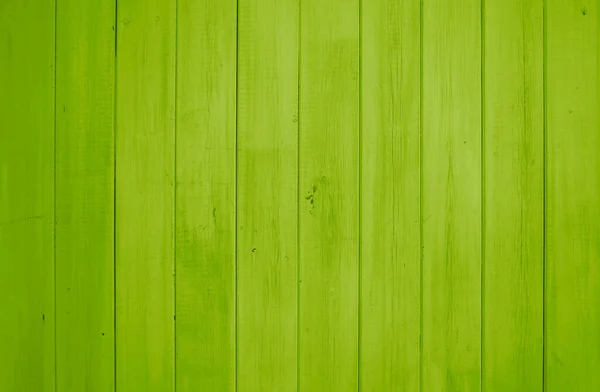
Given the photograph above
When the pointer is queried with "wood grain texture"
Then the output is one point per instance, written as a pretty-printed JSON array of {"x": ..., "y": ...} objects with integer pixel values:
[
  {"x": 27, "y": 195},
  {"x": 145, "y": 173},
  {"x": 267, "y": 201},
  {"x": 513, "y": 192},
  {"x": 329, "y": 184},
  {"x": 206, "y": 120},
  {"x": 451, "y": 195},
  {"x": 85, "y": 60},
  {"x": 390, "y": 196},
  {"x": 287, "y": 195},
  {"x": 572, "y": 196}
]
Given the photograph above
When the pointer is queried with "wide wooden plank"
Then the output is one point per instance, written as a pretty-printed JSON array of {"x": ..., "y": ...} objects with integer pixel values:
[
  {"x": 85, "y": 196},
  {"x": 329, "y": 198},
  {"x": 267, "y": 195},
  {"x": 390, "y": 196},
  {"x": 513, "y": 194},
  {"x": 451, "y": 195},
  {"x": 205, "y": 216},
  {"x": 27, "y": 195},
  {"x": 145, "y": 175},
  {"x": 573, "y": 196}
]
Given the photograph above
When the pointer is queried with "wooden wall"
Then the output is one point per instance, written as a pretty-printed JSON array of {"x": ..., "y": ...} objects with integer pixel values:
[{"x": 299, "y": 195}]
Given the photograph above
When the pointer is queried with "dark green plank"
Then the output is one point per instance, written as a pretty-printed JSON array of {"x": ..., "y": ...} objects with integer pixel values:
[
  {"x": 27, "y": 195},
  {"x": 85, "y": 196},
  {"x": 206, "y": 195}
]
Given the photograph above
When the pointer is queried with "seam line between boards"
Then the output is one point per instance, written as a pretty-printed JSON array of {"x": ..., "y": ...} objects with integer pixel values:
[
  {"x": 236, "y": 300},
  {"x": 483, "y": 198},
  {"x": 421, "y": 173},
  {"x": 360, "y": 158},
  {"x": 298, "y": 197},
  {"x": 54, "y": 222},
  {"x": 115, "y": 106},
  {"x": 174, "y": 179},
  {"x": 298, "y": 193}
]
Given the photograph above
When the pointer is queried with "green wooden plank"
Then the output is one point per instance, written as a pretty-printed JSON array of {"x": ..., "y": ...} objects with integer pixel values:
[
  {"x": 451, "y": 195},
  {"x": 206, "y": 78},
  {"x": 329, "y": 185},
  {"x": 572, "y": 195},
  {"x": 145, "y": 174},
  {"x": 84, "y": 196},
  {"x": 390, "y": 198},
  {"x": 514, "y": 201},
  {"x": 27, "y": 195},
  {"x": 267, "y": 195}
]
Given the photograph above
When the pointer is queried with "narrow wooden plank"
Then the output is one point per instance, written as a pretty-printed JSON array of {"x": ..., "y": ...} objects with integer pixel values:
[
  {"x": 145, "y": 173},
  {"x": 573, "y": 196},
  {"x": 451, "y": 195},
  {"x": 329, "y": 185},
  {"x": 390, "y": 198},
  {"x": 267, "y": 195},
  {"x": 85, "y": 196},
  {"x": 27, "y": 195},
  {"x": 514, "y": 199},
  {"x": 206, "y": 78}
]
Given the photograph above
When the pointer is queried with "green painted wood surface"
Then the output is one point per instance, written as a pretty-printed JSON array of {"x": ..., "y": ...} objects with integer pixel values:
[
  {"x": 27, "y": 313},
  {"x": 572, "y": 195},
  {"x": 513, "y": 170},
  {"x": 267, "y": 195},
  {"x": 390, "y": 197},
  {"x": 285, "y": 195},
  {"x": 205, "y": 216},
  {"x": 451, "y": 198},
  {"x": 144, "y": 195},
  {"x": 329, "y": 199},
  {"x": 85, "y": 59}
]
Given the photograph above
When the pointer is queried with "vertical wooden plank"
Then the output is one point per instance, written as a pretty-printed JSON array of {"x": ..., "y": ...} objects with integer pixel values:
[
  {"x": 206, "y": 77},
  {"x": 145, "y": 148},
  {"x": 513, "y": 193},
  {"x": 267, "y": 195},
  {"x": 27, "y": 320},
  {"x": 390, "y": 228},
  {"x": 329, "y": 185},
  {"x": 451, "y": 195},
  {"x": 84, "y": 195},
  {"x": 573, "y": 195}
]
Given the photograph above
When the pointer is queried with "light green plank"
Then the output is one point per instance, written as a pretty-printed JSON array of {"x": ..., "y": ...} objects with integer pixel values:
[
  {"x": 84, "y": 196},
  {"x": 27, "y": 195},
  {"x": 267, "y": 195},
  {"x": 329, "y": 185},
  {"x": 145, "y": 148},
  {"x": 451, "y": 195},
  {"x": 390, "y": 237},
  {"x": 514, "y": 201},
  {"x": 206, "y": 195},
  {"x": 573, "y": 196}
]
